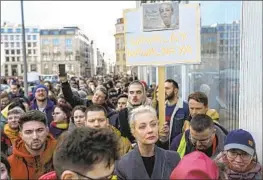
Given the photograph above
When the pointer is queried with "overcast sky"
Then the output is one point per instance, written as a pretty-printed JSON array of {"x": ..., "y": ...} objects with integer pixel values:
[{"x": 96, "y": 18}]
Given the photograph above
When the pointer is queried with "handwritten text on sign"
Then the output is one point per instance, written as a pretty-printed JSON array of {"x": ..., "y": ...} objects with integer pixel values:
[
  {"x": 162, "y": 50},
  {"x": 166, "y": 47}
]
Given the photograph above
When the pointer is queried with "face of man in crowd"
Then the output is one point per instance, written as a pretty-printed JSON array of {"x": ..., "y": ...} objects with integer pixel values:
[
  {"x": 202, "y": 140},
  {"x": 122, "y": 102},
  {"x": 196, "y": 107},
  {"x": 96, "y": 119},
  {"x": 99, "y": 98},
  {"x": 135, "y": 94},
  {"x": 166, "y": 12},
  {"x": 170, "y": 91},
  {"x": 34, "y": 134},
  {"x": 41, "y": 94},
  {"x": 14, "y": 89},
  {"x": 146, "y": 128}
]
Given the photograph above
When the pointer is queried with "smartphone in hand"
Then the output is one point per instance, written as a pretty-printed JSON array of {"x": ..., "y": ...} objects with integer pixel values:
[{"x": 62, "y": 70}]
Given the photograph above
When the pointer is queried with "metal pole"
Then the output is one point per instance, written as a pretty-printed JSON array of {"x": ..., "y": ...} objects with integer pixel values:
[{"x": 24, "y": 50}]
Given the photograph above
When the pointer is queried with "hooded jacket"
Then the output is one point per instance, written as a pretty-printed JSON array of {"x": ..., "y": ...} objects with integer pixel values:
[
  {"x": 122, "y": 121},
  {"x": 25, "y": 166}
]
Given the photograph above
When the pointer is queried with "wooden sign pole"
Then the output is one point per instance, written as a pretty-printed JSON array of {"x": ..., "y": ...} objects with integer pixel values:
[{"x": 161, "y": 96}]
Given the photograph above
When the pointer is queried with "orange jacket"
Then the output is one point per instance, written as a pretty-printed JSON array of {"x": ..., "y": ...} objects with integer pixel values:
[{"x": 25, "y": 166}]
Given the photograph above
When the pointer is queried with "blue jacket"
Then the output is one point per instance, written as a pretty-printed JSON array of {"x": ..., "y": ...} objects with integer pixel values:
[
  {"x": 48, "y": 110},
  {"x": 179, "y": 115}
]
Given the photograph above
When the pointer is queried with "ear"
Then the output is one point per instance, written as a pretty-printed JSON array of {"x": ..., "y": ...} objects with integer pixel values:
[
  {"x": 21, "y": 134},
  {"x": 47, "y": 128},
  {"x": 68, "y": 175},
  {"x": 107, "y": 120}
]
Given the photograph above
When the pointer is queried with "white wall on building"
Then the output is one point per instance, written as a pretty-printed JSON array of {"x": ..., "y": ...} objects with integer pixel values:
[{"x": 250, "y": 104}]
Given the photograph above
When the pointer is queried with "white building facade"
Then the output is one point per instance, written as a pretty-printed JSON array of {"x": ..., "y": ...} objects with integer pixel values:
[{"x": 11, "y": 39}]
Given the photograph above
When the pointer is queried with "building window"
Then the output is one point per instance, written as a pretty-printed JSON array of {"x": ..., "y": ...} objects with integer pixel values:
[
  {"x": 68, "y": 42},
  {"x": 18, "y": 51},
  {"x": 34, "y": 44},
  {"x": 29, "y": 51},
  {"x": 27, "y": 30},
  {"x": 55, "y": 42},
  {"x": 18, "y": 59},
  {"x": 34, "y": 51},
  {"x": 34, "y": 37},
  {"x": 17, "y": 44},
  {"x": 14, "y": 70},
  {"x": 6, "y": 51},
  {"x": 17, "y": 37},
  {"x": 18, "y": 30},
  {"x": 12, "y": 52},
  {"x": 117, "y": 57},
  {"x": 28, "y": 37},
  {"x": 9, "y": 30},
  {"x": 2, "y": 30},
  {"x": 33, "y": 67},
  {"x": 6, "y": 37},
  {"x": 7, "y": 59},
  {"x": 124, "y": 57},
  {"x": 11, "y": 37},
  {"x": 13, "y": 59},
  {"x": 12, "y": 45},
  {"x": 28, "y": 44},
  {"x": 44, "y": 32},
  {"x": 22, "y": 68},
  {"x": 6, "y": 44},
  {"x": 35, "y": 30},
  {"x": 45, "y": 42}
]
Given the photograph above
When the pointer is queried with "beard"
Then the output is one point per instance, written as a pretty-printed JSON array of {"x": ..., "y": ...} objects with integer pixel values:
[
  {"x": 41, "y": 99},
  {"x": 36, "y": 147},
  {"x": 170, "y": 97}
]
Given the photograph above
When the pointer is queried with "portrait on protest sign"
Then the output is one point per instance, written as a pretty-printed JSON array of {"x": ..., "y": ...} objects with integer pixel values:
[{"x": 160, "y": 16}]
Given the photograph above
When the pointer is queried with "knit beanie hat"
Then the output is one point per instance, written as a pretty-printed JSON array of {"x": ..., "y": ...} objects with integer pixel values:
[{"x": 40, "y": 86}]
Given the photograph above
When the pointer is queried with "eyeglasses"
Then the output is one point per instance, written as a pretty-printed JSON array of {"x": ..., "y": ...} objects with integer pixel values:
[
  {"x": 201, "y": 141},
  {"x": 232, "y": 154},
  {"x": 108, "y": 177}
]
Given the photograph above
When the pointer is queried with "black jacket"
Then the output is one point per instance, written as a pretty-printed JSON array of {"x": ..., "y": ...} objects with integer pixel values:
[{"x": 74, "y": 100}]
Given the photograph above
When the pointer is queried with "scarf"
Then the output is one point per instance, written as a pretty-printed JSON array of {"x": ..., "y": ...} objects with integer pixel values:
[
  {"x": 11, "y": 133},
  {"x": 60, "y": 125}
]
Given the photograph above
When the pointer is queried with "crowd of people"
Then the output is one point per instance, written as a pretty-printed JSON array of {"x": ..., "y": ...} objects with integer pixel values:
[{"x": 108, "y": 128}]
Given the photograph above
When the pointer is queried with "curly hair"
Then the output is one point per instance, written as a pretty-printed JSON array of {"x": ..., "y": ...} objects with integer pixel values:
[{"x": 83, "y": 147}]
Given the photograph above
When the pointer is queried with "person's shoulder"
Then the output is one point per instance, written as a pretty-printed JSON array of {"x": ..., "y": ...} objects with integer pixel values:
[{"x": 126, "y": 159}]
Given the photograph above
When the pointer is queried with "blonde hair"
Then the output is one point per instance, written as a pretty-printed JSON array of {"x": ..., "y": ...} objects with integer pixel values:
[{"x": 139, "y": 110}]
